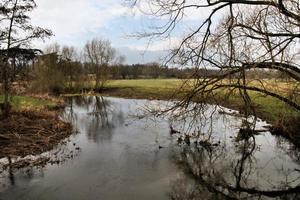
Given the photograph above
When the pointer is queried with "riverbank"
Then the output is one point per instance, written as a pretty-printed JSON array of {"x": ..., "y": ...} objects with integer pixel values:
[{"x": 32, "y": 127}]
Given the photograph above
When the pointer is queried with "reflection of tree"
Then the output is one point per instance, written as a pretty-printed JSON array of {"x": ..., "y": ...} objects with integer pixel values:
[
  {"x": 102, "y": 116},
  {"x": 10, "y": 171},
  {"x": 81, "y": 101},
  {"x": 103, "y": 119},
  {"x": 70, "y": 115},
  {"x": 242, "y": 168},
  {"x": 18, "y": 170},
  {"x": 221, "y": 175},
  {"x": 288, "y": 148},
  {"x": 100, "y": 112}
]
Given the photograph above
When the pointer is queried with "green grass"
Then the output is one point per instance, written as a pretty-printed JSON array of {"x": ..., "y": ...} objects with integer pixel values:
[
  {"x": 146, "y": 83},
  {"x": 143, "y": 88},
  {"x": 269, "y": 108},
  {"x": 22, "y": 102}
]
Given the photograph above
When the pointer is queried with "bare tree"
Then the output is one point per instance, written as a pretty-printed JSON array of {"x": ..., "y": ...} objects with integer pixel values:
[
  {"x": 16, "y": 34},
  {"x": 69, "y": 56},
  {"x": 99, "y": 54},
  {"x": 52, "y": 48},
  {"x": 235, "y": 37},
  {"x": 58, "y": 70}
]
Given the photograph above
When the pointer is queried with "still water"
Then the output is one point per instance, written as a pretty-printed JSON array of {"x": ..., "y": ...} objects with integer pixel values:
[{"x": 116, "y": 154}]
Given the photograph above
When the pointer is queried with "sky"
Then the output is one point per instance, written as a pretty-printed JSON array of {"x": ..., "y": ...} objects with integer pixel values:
[{"x": 74, "y": 22}]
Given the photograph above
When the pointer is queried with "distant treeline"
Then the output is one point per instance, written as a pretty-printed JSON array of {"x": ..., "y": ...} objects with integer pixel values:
[
  {"x": 154, "y": 70},
  {"x": 53, "y": 63},
  {"x": 56, "y": 73}
]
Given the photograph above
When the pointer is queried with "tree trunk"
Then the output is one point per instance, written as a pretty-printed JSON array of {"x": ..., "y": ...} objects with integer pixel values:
[
  {"x": 6, "y": 103},
  {"x": 97, "y": 81}
]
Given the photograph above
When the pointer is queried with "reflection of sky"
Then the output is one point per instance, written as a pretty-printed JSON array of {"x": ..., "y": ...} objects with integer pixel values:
[{"x": 268, "y": 158}]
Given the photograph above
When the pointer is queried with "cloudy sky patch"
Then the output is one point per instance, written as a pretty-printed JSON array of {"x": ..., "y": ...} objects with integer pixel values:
[{"x": 73, "y": 22}]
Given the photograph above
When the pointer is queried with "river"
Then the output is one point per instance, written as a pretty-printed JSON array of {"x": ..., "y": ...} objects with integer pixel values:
[{"x": 117, "y": 154}]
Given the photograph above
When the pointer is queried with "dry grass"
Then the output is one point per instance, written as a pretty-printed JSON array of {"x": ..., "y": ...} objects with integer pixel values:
[{"x": 31, "y": 133}]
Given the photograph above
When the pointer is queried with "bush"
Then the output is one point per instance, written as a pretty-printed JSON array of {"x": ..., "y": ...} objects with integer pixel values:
[{"x": 49, "y": 77}]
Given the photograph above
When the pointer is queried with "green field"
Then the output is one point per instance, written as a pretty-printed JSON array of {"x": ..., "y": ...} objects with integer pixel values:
[{"x": 143, "y": 88}]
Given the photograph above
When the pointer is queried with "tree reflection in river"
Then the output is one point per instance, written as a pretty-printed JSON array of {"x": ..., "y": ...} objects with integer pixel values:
[
  {"x": 292, "y": 150},
  {"x": 101, "y": 118},
  {"x": 100, "y": 125},
  {"x": 222, "y": 174}
]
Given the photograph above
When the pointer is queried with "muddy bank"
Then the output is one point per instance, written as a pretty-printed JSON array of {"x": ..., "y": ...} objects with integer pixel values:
[{"x": 31, "y": 133}]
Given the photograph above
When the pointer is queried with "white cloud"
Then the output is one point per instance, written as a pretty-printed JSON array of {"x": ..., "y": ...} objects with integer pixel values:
[
  {"x": 74, "y": 18},
  {"x": 134, "y": 56},
  {"x": 75, "y": 21},
  {"x": 165, "y": 44}
]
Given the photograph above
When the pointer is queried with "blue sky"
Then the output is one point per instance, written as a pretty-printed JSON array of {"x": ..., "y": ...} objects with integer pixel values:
[{"x": 76, "y": 21}]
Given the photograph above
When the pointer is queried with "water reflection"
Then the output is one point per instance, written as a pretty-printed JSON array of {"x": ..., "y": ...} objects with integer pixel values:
[
  {"x": 234, "y": 172},
  {"x": 99, "y": 119},
  {"x": 10, "y": 172},
  {"x": 124, "y": 157},
  {"x": 288, "y": 149}
]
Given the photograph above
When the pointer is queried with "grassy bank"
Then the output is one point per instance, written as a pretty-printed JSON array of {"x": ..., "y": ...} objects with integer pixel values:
[
  {"x": 28, "y": 102},
  {"x": 165, "y": 89}
]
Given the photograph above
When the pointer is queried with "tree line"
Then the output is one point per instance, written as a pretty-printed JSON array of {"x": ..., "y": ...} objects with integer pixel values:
[
  {"x": 66, "y": 69},
  {"x": 60, "y": 68}
]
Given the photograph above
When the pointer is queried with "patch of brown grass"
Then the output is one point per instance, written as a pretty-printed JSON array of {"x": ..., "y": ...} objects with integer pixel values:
[{"x": 31, "y": 133}]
